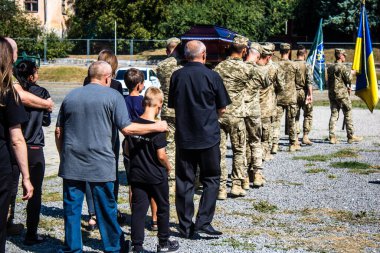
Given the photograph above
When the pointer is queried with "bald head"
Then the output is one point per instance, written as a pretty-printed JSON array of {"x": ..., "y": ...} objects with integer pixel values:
[
  {"x": 100, "y": 72},
  {"x": 195, "y": 50},
  {"x": 14, "y": 47}
]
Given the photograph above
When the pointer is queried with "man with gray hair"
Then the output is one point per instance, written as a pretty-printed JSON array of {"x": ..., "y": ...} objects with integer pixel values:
[
  {"x": 88, "y": 116},
  {"x": 198, "y": 97}
]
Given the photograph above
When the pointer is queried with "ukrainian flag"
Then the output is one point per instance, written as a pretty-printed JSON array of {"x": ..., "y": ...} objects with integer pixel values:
[{"x": 364, "y": 64}]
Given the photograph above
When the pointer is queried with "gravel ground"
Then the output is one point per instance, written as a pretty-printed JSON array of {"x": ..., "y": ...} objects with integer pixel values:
[{"x": 331, "y": 210}]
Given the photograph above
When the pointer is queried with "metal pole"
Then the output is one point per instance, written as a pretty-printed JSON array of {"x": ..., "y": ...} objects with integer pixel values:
[
  {"x": 88, "y": 52},
  {"x": 45, "y": 50},
  {"x": 131, "y": 52},
  {"x": 115, "y": 38},
  {"x": 286, "y": 27}
]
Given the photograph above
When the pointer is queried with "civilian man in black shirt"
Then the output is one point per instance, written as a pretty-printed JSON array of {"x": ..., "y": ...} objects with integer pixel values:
[{"x": 199, "y": 97}]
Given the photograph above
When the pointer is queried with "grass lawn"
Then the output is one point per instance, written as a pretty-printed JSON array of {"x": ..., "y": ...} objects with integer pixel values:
[{"x": 62, "y": 73}]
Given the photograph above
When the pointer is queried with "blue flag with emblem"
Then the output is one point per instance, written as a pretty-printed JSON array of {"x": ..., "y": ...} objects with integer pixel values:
[
  {"x": 316, "y": 59},
  {"x": 364, "y": 64}
]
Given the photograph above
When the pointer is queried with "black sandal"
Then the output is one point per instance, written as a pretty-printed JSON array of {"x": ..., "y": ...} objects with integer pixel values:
[{"x": 153, "y": 225}]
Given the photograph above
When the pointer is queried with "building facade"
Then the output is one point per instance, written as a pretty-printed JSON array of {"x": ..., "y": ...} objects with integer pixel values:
[{"x": 53, "y": 14}]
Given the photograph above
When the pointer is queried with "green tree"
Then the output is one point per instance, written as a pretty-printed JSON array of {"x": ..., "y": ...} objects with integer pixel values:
[
  {"x": 135, "y": 19},
  {"x": 16, "y": 24}
]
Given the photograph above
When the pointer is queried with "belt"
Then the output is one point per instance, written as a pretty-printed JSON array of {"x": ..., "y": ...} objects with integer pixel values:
[{"x": 35, "y": 147}]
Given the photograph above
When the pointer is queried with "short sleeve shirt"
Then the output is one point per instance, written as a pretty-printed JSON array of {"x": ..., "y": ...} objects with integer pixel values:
[
  {"x": 196, "y": 93},
  {"x": 144, "y": 164},
  {"x": 89, "y": 116},
  {"x": 11, "y": 114},
  {"x": 134, "y": 106}
]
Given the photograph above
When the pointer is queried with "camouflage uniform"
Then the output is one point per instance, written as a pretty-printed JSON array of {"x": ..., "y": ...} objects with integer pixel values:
[
  {"x": 236, "y": 75},
  {"x": 165, "y": 70},
  {"x": 287, "y": 100},
  {"x": 253, "y": 120},
  {"x": 274, "y": 79},
  {"x": 339, "y": 81},
  {"x": 302, "y": 91},
  {"x": 277, "y": 79}
]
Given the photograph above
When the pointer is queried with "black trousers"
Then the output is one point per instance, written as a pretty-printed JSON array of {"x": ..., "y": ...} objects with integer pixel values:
[
  {"x": 141, "y": 195},
  {"x": 36, "y": 161},
  {"x": 15, "y": 181},
  {"x": 5, "y": 194},
  {"x": 187, "y": 161}
]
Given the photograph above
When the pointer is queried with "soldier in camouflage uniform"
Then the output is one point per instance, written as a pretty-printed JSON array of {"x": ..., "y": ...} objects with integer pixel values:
[
  {"x": 254, "y": 113},
  {"x": 251, "y": 59},
  {"x": 164, "y": 71},
  {"x": 236, "y": 77},
  {"x": 277, "y": 82},
  {"x": 304, "y": 95},
  {"x": 287, "y": 99},
  {"x": 339, "y": 86}
]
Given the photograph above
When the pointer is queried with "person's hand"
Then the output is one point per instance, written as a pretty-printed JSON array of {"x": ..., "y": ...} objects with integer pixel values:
[
  {"x": 50, "y": 105},
  {"x": 349, "y": 91},
  {"x": 27, "y": 189},
  {"x": 162, "y": 126},
  {"x": 309, "y": 99},
  {"x": 353, "y": 72}
]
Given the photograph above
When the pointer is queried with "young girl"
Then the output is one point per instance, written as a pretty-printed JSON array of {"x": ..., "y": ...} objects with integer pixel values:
[{"x": 27, "y": 74}]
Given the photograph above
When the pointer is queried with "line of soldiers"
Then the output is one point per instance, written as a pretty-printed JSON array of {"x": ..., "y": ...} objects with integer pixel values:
[{"x": 261, "y": 91}]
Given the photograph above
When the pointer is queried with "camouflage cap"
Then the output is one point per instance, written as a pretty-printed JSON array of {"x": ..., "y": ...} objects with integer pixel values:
[
  {"x": 285, "y": 46},
  {"x": 241, "y": 40},
  {"x": 271, "y": 46},
  {"x": 340, "y": 51},
  {"x": 173, "y": 40},
  {"x": 257, "y": 47},
  {"x": 268, "y": 49}
]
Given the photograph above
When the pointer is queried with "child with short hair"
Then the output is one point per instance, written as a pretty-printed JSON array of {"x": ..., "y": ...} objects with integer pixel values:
[
  {"x": 134, "y": 80},
  {"x": 149, "y": 167}
]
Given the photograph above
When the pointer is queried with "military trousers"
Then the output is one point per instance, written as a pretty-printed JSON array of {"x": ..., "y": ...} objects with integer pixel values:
[
  {"x": 170, "y": 149},
  {"x": 307, "y": 112},
  {"x": 253, "y": 147},
  {"x": 335, "y": 105},
  {"x": 290, "y": 121},
  {"x": 235, "y": 128},
  {"x": 266, "y": 134}
]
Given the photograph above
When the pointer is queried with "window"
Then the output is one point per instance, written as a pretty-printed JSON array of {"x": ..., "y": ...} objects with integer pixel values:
[{"x": 31, "y": 5}]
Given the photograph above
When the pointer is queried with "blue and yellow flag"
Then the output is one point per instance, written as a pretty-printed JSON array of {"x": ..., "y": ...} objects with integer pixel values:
[
  {"x": 364, "y": 64},
  {"x": 316, "y": 58}
]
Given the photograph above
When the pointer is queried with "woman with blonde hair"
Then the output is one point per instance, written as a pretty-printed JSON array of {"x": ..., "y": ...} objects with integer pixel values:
[{"x": 12, "y": 115}]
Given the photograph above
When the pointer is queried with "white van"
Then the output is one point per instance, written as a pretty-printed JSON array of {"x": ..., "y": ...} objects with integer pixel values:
[{"x": 150, "y": 78}]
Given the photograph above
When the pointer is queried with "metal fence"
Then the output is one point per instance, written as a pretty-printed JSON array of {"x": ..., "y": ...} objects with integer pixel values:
[{"x": 135, "y": 49}]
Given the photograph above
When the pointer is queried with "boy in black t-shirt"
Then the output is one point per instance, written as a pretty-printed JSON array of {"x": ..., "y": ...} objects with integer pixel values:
[{"x": 149, "y": 167}]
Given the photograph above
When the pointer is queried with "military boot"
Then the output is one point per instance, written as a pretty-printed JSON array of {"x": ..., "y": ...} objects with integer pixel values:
[
  {"x": 222, "y": 195},
  {"x": 274, "y": 149},
  {"x": 298, "y": 146},
  {"x": 292, "y": 148},
  {"x": 333, "y": 140},
  {"x": 306, "y": 140},
  {"x": 236, "y": 190},
  {"x": 245, "y": 183},
  {"x": 259, "y": 179},
  {"x": 354, "y": 138}
]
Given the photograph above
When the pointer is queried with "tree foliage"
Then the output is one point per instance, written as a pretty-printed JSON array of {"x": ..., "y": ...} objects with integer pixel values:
[
  {"x": 341, "y": 17},
  {"x": 16, "y": 24},
  {"x": 163, "y": 18},
  {"x": 28, "y": 32}
]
